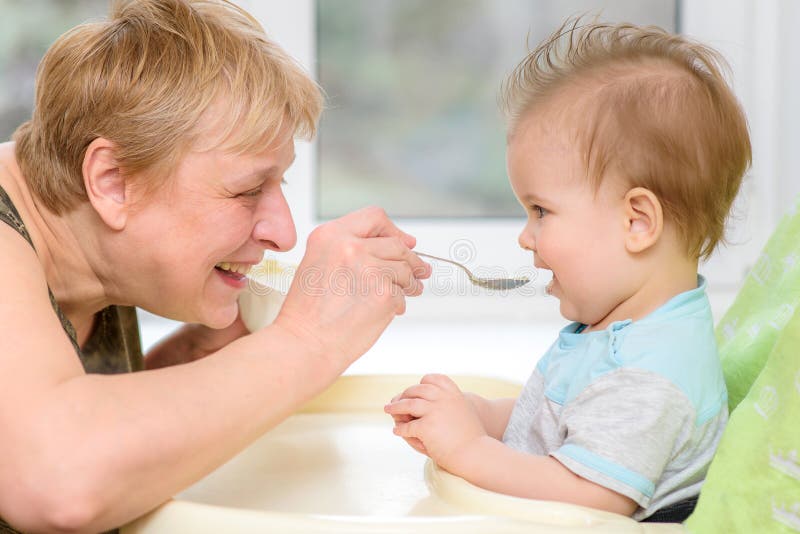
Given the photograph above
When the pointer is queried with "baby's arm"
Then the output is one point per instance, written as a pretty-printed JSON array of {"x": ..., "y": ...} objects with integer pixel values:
[
  {"x": 437, "y": 419},
  {"x": 492, "y": 465},
  {"x": 493, "y": 413}
]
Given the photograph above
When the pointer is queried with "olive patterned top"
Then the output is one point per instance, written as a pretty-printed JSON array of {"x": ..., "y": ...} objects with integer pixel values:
[{"x": 114, "y": 345}]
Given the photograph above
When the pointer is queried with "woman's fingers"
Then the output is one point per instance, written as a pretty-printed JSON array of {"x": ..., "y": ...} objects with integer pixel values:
[
  {"x": 394, "y": 276},
  {"x": 374, "y": 222},
  {"x": 393, "y": 248},
  {"x": 354, "y": 278}
]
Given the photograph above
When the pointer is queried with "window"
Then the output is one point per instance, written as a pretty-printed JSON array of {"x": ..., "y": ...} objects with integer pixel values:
[
  {"x": 26, "y": 31},
  {"x": 413, "y": 122}
]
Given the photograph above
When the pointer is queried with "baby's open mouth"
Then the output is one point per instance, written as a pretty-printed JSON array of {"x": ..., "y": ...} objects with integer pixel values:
[
  {"x": 233, "y": 270},
  {"x": 548, "y": 289}
]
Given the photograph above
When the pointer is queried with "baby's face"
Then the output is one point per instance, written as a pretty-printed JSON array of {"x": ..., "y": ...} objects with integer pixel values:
[{"x": 573, "y": 231}]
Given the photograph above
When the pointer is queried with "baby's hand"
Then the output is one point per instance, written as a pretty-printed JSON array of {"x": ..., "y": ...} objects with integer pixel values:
[
  {"x": 399, "y": 418},
  {"x": 436, "y": 419}
]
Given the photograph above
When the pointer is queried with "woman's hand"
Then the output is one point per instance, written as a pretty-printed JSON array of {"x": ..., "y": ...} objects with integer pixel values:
[
  {"x": 437, "y": 419},
  {"x": 192, "y": 342},
  {"x": 353, "y": 280}
]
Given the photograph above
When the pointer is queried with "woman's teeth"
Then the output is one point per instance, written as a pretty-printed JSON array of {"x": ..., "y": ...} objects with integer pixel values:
[{"x": 241, "y": 268}]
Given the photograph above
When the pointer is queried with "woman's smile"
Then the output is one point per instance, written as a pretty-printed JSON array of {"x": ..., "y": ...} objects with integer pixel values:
[
  {"x": 240, "y": 268},
  {"x": 233, "y": 274}
]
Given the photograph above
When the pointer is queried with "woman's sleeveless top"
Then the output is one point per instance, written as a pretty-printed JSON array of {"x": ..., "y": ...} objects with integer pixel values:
[{"x": 114, "y": 345}]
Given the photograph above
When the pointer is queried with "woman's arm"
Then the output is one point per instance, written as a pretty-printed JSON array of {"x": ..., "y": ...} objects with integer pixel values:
[
  {"x": 191, "y": 342},
  {"x": 91, "y": 452}
]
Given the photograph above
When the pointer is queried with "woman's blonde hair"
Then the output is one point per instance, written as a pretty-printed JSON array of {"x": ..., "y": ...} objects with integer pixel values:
[
  {"x": 653, "y": 106},
  {"x": 148, "y": 79}
]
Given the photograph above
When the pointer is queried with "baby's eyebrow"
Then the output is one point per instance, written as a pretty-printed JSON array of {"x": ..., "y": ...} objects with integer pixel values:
[{"x": 532, "y": 197}]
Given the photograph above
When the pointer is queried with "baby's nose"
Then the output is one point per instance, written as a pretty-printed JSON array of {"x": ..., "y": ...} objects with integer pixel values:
[{"x": 526, "y": 241}]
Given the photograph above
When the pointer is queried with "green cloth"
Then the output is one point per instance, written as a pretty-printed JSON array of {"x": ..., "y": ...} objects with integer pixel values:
[{"x": 753, "y": 484}]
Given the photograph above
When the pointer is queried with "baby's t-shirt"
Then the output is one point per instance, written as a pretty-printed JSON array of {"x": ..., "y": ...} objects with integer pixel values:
[{"x": 638, "y": 408}]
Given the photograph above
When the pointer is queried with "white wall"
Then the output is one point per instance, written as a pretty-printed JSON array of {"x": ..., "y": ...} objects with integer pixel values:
[
  {"x": 758, "y": 39},
  {"x": 788, "y": 131}
]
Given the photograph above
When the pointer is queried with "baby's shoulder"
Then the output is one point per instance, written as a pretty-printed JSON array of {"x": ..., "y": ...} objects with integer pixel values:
[
  {"x": 683, "y": 353},
  {"x": 669, "y": 345}
]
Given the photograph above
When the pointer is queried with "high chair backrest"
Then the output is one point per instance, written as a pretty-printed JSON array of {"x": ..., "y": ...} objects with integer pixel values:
[
  {"x": 753, "y": 484},
  {"x": 762, "y": 309}
]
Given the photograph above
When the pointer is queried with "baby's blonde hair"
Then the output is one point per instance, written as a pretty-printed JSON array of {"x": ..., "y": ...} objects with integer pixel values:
[
  {"x": 653, "y": 106},
  {"x": 150, "y": 78}
]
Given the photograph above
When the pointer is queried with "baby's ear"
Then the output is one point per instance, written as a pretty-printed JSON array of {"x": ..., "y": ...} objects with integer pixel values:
[
  {"x": 644, "y": 219},
  {"x": 105, "y": 185}
]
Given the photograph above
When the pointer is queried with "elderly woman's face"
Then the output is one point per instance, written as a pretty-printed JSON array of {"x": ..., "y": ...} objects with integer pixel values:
[{"x": 207, "y": 227}]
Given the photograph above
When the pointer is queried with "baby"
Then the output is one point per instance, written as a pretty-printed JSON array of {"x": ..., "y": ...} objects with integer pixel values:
[{"x": 626, "y": 148}]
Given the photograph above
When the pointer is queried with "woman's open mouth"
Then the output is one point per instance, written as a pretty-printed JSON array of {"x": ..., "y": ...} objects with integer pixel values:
[{"x": 234, "y": 274}]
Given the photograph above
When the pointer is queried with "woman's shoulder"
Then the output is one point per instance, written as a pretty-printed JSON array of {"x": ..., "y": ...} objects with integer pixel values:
[
  {"x": 8, "y": 164},
  {"x": 9, "y": 198},
  {"x": 15, "y": 241},
  {"x": 16, "y": 201}
]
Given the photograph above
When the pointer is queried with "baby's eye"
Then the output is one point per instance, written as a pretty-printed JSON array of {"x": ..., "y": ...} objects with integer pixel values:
[{"x": 539, "y": 211}]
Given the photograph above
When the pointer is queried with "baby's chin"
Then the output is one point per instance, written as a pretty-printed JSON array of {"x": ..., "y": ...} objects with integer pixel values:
[{"x": 570, "y": 314}]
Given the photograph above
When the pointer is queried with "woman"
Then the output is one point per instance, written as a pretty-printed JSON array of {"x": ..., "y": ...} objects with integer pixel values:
[{"x": 150, "y": 175}]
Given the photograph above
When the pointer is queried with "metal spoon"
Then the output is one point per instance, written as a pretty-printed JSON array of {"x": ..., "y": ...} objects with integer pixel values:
[{"x": 489, "y": 283}]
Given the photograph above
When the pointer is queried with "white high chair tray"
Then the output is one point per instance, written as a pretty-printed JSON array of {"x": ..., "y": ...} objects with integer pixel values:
[{"x": 335, "y": 466}]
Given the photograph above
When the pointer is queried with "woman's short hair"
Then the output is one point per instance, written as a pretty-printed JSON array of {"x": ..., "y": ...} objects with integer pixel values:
[
  {"x": 653, "y": 106},
  {"x": 154, "y": 78}
]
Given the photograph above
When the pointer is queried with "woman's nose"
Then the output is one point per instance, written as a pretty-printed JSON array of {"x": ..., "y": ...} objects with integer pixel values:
[{"x": 273, "y": 226}]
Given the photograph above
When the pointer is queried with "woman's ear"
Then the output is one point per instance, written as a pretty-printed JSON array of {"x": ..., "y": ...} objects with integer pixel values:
[
  {"x": 105, "y": 183},
  {"x": 644, "y": 219}
]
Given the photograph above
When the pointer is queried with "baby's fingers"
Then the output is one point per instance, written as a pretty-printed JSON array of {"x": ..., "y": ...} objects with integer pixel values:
[
  {"x": 421, "y": 391},
  {"x": 413, "y": 407},
  {"x": 442, "y": 381},
  {"x": 407, "y": 430},
  {"x": 402, "y": 418}
]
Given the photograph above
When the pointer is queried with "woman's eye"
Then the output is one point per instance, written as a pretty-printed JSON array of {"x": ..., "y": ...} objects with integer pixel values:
[
  {"x": 251, "y": 193},
  {"x": 258, "y": 190}
]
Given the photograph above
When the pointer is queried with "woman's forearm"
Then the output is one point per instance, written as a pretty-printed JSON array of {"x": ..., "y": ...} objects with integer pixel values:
[{"x": 135, "y": 440}]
